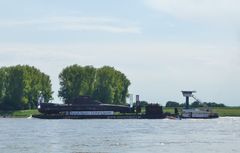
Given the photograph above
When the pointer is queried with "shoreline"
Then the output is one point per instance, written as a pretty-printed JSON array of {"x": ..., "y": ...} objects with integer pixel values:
[
  {"x": 222, "y": 111},
  {"x": 25, "y": 117}
]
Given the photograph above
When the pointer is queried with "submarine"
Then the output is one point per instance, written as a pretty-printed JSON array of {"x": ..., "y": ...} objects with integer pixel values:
[{"x": 82, "y": 105}]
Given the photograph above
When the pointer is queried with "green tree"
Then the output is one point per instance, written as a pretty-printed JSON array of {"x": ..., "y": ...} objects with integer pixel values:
[
  {"x": 172, "y": 104},
  {"x": 2, "y": 84},
  {"x": 111, "y": 86},
  {"x": 196, "y": 104},
  {"x": 21, "y": 85},
  {"x": 104, "y": 84},
  {"x": 76, "y": 80},
  {"x": 104, "y": 90}
]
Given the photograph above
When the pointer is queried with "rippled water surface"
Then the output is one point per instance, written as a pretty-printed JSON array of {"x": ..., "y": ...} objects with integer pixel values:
[{"x": 134, "y": 136}]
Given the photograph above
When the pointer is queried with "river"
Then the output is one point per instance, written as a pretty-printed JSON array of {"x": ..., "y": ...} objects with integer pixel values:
[{"x": 220, "y": 135}]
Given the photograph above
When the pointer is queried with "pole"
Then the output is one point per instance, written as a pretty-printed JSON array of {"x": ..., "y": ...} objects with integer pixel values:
[{"x": 187, "y": 102}]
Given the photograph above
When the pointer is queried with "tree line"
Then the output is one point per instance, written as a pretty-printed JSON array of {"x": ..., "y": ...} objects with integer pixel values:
[
  {"x": 104, "y": 84},
  {"x": 195, "y": 104},
  {"x": 21, "y": 85}
]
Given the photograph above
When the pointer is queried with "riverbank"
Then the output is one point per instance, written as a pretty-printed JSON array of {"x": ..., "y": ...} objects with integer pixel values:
[
  {"x": 19, "y": 113},
  {"x": 222, "y": 112},
  {"x": 228, "y": 111}
]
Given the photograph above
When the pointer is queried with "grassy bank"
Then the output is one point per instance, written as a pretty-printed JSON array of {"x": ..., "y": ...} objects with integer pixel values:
[
  {"x": 222, "y": 111},
  {"x": 19, "y": 113},
  {"x": 227, "y": 111}
]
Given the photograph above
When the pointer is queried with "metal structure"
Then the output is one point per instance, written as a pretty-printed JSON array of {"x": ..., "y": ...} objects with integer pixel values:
[
  {"x": 203, "y": 112},
  {"x": 188, "y": 94},
  {"x": 138, "y": 106}
]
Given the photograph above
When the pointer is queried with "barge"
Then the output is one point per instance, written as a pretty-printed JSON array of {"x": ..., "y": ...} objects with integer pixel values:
[{"x": 84, "y": 107}]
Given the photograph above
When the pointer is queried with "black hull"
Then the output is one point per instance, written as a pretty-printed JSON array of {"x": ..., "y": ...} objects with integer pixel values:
[
  {"x": 132, "y": 116},
  {"x": 49, "y": 108}
]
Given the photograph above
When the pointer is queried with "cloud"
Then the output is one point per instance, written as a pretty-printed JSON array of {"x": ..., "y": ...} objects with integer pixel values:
[
  {"x": 199, "y": 10},
  {"x": 73, "y": 23}
]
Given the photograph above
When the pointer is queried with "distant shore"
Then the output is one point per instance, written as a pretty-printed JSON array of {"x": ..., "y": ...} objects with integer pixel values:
[{"x": 222, "y": 112}]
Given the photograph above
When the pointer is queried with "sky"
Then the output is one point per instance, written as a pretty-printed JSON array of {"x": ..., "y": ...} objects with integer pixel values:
[{"x": 162, "y": 46}]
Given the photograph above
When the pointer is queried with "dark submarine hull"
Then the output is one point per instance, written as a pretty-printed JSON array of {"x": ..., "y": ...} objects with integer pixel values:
[
  {"x": 51, "y": 108},
  {"x": 85, "y": 108},
  {"x": 82, "y": 103}
]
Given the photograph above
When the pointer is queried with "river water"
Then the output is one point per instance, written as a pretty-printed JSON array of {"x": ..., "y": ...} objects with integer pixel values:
[{"x": 120, "y": 136}]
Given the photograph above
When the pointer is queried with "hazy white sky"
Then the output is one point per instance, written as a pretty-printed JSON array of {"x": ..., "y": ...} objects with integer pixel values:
[{"x": 163, "y": 46}]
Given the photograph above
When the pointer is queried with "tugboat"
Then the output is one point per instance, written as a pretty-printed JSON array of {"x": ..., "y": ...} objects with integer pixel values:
[{"x": 203, "y": 113}]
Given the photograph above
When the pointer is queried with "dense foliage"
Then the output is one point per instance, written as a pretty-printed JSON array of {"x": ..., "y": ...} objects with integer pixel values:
[
  {"x": 172, "y": 104},
  {"x": 195, "y": 104},
  {"x": 141, "y": 103},
  {"x": 208, "y": 104},
  {"x": 104, "y": 84},
  {"x": 20, "y": 87}
]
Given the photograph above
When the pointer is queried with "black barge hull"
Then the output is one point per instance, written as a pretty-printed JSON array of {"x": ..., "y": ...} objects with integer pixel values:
[{"x": 134, "y": 116}]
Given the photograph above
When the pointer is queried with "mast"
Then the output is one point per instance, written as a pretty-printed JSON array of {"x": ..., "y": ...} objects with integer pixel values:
[{"x": 188, "y": 94}]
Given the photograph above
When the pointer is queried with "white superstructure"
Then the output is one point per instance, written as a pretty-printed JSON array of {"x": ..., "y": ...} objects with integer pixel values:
[
  {"x": 198, "y": 113},
  {"x": 203, "y": 112}
]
